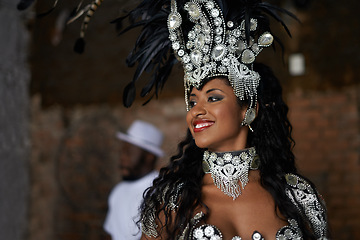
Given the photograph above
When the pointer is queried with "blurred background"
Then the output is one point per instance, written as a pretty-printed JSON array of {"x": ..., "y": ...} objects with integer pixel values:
[{"x": 60, "y": 110}]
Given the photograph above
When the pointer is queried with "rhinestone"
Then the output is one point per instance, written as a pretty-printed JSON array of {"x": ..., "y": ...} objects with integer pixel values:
[
  {"x": 172, "y": 37},
  {"x": 227, "y": 157},
  {"x": 232, "y": 40},
  {"x": 218, "y": 31},
  {"x": 230, "y": 24},
  {"x": 209, "y": 231},
  {"x": 247, "y": 56},
  {"x": 256, "y": 236},
  {"x": 210, "y": 5},
  {"x": 222, "y": 69},
  {"x": 197, "y": 28},
  {"x": 253, "y": 24},
  {"x": 206, "y": 58},
  {"x": 214, "y": 12},
  {"x": 203, "y": 21},
  {"x": 189, "y": 44},
  {"x": 207, "y": 38},
  {"x": 174, "y": 20},
  {"x": 237, "y": 33},
  {"x": 181, "y": 52},
  {"x": 188, "y": 67},
  {"x": 186, "y": 58},
  {"x": 301, "y": 186},
  {"x": 236, "y": 160},
  {"x": 220, "y": 161},
  {"x": 251, "y": 114},
  {"x": 195, "y": 57},
  {"x": 217, "y": 21},
  {"x": 226, "y": 61},
  {"x": 176, "y": 45},
  {"x": 198, "y": 215},
  {"x": 231, "y": 48},
  {"x": 206, "y": 48},
  {"x": 198, "y": 233},
  {"x": 266, "y": 39},
  {"x": 205, "y": 166},
  {"x": 240, "y": 46},
  {"x": 207, "y": 29},
  {"x": 228, "y": 169},
  {"x": 193, "y": 10},
  {"x": 200, "y": 41},
  {"x": 255, "y": 48},
  {"x": 292, "y": 180},
  {"x": 218, "y": 39},
  {"x": 243, "y": 155},
  {"x": 191, "y": 35},
  {"x": 219, "y": 52}
]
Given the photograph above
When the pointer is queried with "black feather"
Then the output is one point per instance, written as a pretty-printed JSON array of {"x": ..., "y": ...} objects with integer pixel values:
[
  {"x": 24, "y": 4},
  {"x": 129, "y": 94},
  {"x": 79, "y": 45}
]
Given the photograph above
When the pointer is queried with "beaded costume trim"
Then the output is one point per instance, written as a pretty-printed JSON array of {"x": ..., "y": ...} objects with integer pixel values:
[{"x": 305, "y": 197}]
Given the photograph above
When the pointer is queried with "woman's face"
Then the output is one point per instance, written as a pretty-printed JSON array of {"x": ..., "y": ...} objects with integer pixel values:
[{"x": 215, "y": 117}]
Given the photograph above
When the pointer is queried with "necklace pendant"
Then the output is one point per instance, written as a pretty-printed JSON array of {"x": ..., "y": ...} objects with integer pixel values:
[{"x": 230, "y": 170}]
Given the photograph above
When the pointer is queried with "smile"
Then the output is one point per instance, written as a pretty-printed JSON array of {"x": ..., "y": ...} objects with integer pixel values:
[{"x": 201, "y": 125}]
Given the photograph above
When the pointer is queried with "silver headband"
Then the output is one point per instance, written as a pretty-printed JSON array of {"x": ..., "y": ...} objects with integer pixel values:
[{"x": 215, "y": 49}]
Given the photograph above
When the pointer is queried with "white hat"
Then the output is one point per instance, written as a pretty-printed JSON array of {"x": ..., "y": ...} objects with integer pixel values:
[{"x": 145, "y": 136}]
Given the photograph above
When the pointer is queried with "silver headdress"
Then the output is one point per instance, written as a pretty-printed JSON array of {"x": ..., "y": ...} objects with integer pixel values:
[{"x": 215, "y": 48}]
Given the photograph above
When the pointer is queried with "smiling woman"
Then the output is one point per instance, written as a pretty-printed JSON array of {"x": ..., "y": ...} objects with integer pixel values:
[{"x": 225, "y": 182}]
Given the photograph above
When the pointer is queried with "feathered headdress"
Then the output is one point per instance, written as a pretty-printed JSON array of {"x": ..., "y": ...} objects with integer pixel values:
[{"x": 209, "y": 37}]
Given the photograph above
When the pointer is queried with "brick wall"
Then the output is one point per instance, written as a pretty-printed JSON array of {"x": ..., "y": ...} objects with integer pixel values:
[{"x": 326, "y": 131}]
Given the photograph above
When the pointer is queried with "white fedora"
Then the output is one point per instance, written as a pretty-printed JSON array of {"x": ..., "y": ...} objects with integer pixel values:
[{"x": 145, "y": 136}]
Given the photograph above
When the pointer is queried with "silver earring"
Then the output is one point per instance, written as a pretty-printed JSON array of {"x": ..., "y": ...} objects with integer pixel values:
[{"x": 249, "y": 118}]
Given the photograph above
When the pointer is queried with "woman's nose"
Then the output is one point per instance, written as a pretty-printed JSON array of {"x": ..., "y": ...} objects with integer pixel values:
[{"x": 198, "y": 109}]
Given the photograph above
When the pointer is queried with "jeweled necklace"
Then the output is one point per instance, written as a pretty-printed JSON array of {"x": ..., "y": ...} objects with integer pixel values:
[{"x": 229, "y": 168}]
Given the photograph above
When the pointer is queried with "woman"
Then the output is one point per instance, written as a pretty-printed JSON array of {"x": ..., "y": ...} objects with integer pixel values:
[
  {"x": 234, "y": 176},
  {"x": 274, "y": 204}
]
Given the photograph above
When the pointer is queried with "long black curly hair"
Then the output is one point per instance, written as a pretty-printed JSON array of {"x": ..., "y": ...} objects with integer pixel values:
[{"x": 273, "y": 142}]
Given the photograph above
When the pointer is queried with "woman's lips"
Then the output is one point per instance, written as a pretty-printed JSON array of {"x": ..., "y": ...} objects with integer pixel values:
[{"x": 201, "y": 125}]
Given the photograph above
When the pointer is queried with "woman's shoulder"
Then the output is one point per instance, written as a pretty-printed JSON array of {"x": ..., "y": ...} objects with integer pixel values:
[{"x": 308, "y": 201}]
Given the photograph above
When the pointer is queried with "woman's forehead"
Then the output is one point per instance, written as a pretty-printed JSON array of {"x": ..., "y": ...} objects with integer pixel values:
[{"x": 213, "y": 82}]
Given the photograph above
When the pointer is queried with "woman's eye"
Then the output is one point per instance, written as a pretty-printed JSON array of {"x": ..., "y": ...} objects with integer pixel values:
[
  {"x": 192, "y": 103},
  {"x": 215, "y": 98}
]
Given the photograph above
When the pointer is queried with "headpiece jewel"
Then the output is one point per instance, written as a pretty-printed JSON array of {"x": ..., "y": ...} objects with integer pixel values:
[{"x": 213, "y": 48}]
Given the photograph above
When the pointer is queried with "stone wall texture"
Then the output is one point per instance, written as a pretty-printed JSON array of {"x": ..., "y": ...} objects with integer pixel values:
[{"x": 14, "y": 122}]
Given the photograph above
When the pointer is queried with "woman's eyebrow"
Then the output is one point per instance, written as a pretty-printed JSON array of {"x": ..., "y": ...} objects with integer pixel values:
[{"x": 213, "y": 89}]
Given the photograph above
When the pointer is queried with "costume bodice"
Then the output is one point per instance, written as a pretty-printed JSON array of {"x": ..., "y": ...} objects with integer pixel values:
[
  {"x": 298, "y": 190},
  {"x": 211, "y": 232}
]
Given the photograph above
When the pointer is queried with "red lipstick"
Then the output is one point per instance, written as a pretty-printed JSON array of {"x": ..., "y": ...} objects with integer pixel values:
[{"x": 200, "y": 125}]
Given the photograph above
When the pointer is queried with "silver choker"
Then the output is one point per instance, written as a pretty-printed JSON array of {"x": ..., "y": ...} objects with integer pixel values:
[{"x": 229, "y": 168}]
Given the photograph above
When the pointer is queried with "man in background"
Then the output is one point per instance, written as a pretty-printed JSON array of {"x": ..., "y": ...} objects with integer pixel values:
[{"x": 141, "y": 147}]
